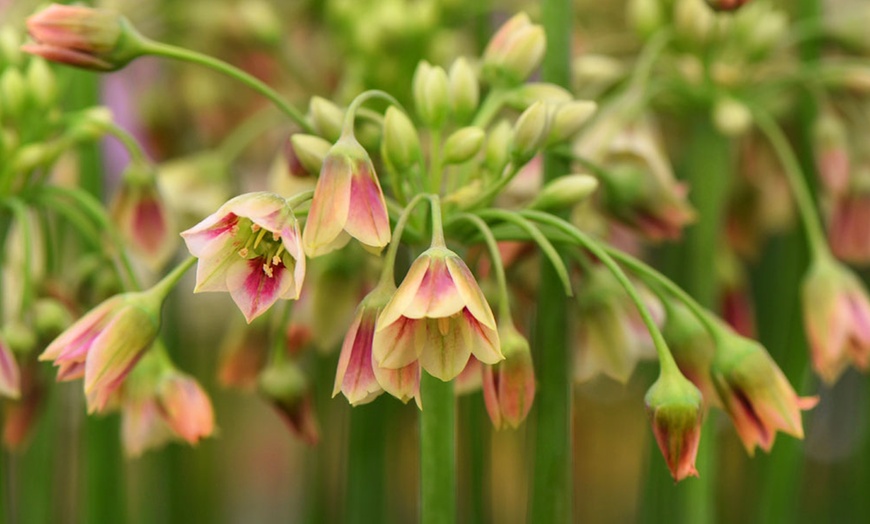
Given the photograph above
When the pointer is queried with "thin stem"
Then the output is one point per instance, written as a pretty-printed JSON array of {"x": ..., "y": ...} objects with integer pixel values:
[
  {"x": 387, "y": 274},
  {"x": 809, "y": 216},
  {"x": 300, "y": 198},
  {"x": 490, "y": 107},
  {"x": 168, "y": 283},
  {"x": 437, "y": 451},
  {"x": 19, "y": 210},
  {"x": 437, "y": 224},
  {"x": 495, "y": 259},
  {"x": 436, "y": 172},
  {"x": 648, "y": 56},
  {"x": 187, "y": 55},
  {"x": 137, "y": 154},
  {"x": 493, "y": 190},
  {"x": 362, "y": 98}
]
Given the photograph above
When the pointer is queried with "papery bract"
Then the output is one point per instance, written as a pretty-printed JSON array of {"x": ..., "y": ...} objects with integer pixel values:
[
  {"x": 438, "y": 316},
  {"x": 251, "y": 248}
]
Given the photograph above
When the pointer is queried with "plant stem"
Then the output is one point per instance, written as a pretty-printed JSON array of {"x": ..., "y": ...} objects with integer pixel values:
[
  {"x": 552, "y": 484},
  {"x": 437, "y": 451},
  {"x": 504, "y": 308},
  {"x": 366, "y": 463},
  {"x": 186, "y": 55}
]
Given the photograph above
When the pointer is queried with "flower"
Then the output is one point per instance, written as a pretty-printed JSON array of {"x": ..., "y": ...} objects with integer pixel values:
[
  {"x": 755, "y": 393},
  {"x": 10, "y": 376},
  {"x": 675, "y": 408},
  {"x": 348, "y": 202},
  {"x": 143, "y": 218},
  {"x": 837, "y": 319},
  {"x": 509, "y": 386},
  {"x": 284, "y": 384},
  {"x": 104, "y": 345},
  {"x": 514, "y": 51},
  {"x": 86, "y": 37},
  {"x": 438, "y": 317},
  {"x": 847, "y": 228},
  {"x": 250, "y": 247},
  {"x": 692, "y": 349}
]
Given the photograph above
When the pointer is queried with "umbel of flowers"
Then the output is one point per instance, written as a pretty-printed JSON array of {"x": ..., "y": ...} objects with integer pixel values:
[{"x": 480, "y": 131}]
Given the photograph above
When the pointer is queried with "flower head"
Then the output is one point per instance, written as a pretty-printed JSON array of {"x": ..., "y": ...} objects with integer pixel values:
[
  {"x": 675, "y": 408},
  {"x": 250, "y": 247},
  {"x": 438, "y": 316},
  {"x": 755, "y": 393},
  {"x": 104, "y": 345},
  {"x": 86, "y": 37},
  {"x": 509, "y": 386},
  {"x": 837, "y": 319},
  {"x": 348, "y": 202}
]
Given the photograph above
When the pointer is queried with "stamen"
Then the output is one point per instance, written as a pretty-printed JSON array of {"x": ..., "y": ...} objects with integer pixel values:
[
  {"x": 255, "y": 227},
  {"x": 243, "y": 252},
  {"x": 276, "y": 236},
  {"x": 260, "y": 235},
  {"x": 268, "y": 270}
]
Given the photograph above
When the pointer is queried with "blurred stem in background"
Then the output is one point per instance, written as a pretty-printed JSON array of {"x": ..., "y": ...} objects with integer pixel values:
[
  {"x": 366, "y": 475},
  {"x": 552, "y": 487}
]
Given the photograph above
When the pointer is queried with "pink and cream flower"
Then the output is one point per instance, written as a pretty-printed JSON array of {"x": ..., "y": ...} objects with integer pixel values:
[
  {"x": 509, "y": 386},
  {"x": 348, "y": 202},
  {"x": 251, "y": 248},
  {"x": 438, "y": 317}
]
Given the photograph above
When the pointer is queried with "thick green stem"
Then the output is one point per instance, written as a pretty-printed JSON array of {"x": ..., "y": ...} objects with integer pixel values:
[
  {"x": 552, "y": 485},
  {"x": 366, "y": 464},
  {"x": 437, "y": 451}
]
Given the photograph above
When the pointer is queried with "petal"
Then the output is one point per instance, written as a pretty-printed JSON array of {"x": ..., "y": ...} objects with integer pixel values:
[
  {"x": 267, "y": 210},
  {"x": 437, "y": 296},
  {"x": 399, "y": 343},
  {"x": 470, "y": 292},
  {"x": 186, "y": 408},
  {"x": 402, "y": 383},
  {"x": 253, "y": 290},
  {"x": 329, "y": 207},
  {"x": 212, "y": 269},
  {"x": 406, "y": 294},
  {"x": 10, "y": 376},
  {"x": 117, "y": 349},
  {"x": 217, "y": 228},
  {"x": 355, "y": 375},
  {"x": 484, "y": 342},
  {"x": 490, "y": 396},
  {"x": 77, "y": 338},
  {"x": 367, "y": 219},
  {"x": 447, "y": 347}
]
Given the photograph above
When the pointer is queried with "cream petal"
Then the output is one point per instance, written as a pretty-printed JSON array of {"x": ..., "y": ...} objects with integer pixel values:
[
  {"x": 406, "y": 294},
  {"x": 215, "y": 229},
  {"x": 446, "y": 348},
  {"x": 118, "y": 347},
  {"x": 437, "y": 296},
  {"x": 10, "y": 375},
  {"x": 398, "y": 344},
  {"x": 402, "y": 383},
  {"x": 470, "y": 292},
  {"x": 484, "y": 342}
]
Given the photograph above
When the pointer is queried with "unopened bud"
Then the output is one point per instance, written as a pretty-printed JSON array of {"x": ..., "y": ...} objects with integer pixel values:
[
  {"x": 830, "y": 146},
  {"x": 326, "y": 117},
  {"x": 10, "y": 46},
  {"x": 310, "y": 151},
  {"x": 431, "y": 96},
  {"x": 50, "y": 317},
  {"x": 694, "y": 22},
  {"x": 645, "y": 16},
  {"x": 31, "y": 156},
  {"x": 13, "y": 91},
  {"x": 514, "y": 51},
  {"x": 569, "y": 118},
  {"x": 401, "y": 144},
  {"x": 91, "y": 123},
  {"x": 525, "y": 95},
  {"x": 464, "y": 90},
  {"x": 675, "y": 408},
  {"x": 509, "y": 386},
  {"x": 41, "y": 83},
  {"x": 19, "y": 337},
  {"x": 731, "y": 117},
  {"x": 565, "y": 192},
  {"x": 767, "y": 31},
  {"x": 530, "y": 132},
  {"x": 463, "y": 144},
  {"x": 498, "y": 146}
]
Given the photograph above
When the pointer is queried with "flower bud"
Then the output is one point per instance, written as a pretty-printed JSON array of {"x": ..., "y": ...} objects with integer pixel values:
[
  {"x": 498, "y": 146},
  {"x": 514, "y": 51},
  {"x": 13, "y": 91},
  {"x": 91, "y": 124},
  {"x": 41, "y": 83},
  {"x": 326, "y": 117},
  {"x": 286, "y": 387},
  {"x": 85, "y": 37},
  {"x": 564, "y": 192},
  {"x": 10, "y": 46},
  {"x": 310, "y": 150},
  {"x": 401, "y": 143},
  {"x": 50, "y": 317},
  {"x": 463, "y": 145},
  {"x": 694, "y": 22},
  {"x": 431, "y": 97},
  {"x": 675, "y": 409},
  {"x": 530, "y": 132},
  {"x": 509, "y": 386},
  {"x": 731, "y": 117},
  {"x": 830, "y": 146},
  {"x": 464, "y": 90},
  {"x": 569, "y": 118},
  {"x": 645, "y": 16},
  {"x": 520, "y": 98}
]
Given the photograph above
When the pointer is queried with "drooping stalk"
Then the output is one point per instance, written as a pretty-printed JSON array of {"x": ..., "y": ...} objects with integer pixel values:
[
  {"x": 552, "y": 484},
  {"x": 437, "y": 451}
]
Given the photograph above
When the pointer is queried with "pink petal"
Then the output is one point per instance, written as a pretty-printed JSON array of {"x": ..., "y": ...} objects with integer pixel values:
[
  {"x": 406, "y": 294},
  {"x": 437, "y": 296},
  {"x": 329, "y": 207},
  {"x": 217, "y": 229},
  {"x": 470, "y": 292},
  {"x": 355, "y": 375},
  {"x": 367, "y": 219},
  {"x": 10, "y": 376},
  {"x": 78, "y": 337},
  {"x": 253, "y": 290}
]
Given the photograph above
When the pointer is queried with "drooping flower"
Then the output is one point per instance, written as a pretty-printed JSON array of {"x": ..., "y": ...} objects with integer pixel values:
[
  {"x": 105, "y": 344},
  {"x": 692, "y": 349},
  {"x": 676, "y": 409},
  {"x": 438, "y": 317},
  {"x": 10, "y": 376},
  {"x": 847, "y": 228},
  {"x": 755, "y": 393},
  {"x": 837, "y": 319},
  {"x": 509, "y": 386},
  {"x": 348, "y": 202},
  {"x": 251, "y": 248},
  {"x": 286, "y": 387},
  {"x": 142, "y": 217}
]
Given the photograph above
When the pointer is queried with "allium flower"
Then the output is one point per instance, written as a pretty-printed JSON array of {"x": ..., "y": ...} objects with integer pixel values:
[
  {"x": 675, "y": 408},
  {"x": 10, "y": 376},
  {"x": 185, "y": 406},
  {"x": 143, "y": 218},
  {"x": 509, "y": 386},
  {"x": 348, "y": 202},
  {"x": 837, "y": 319},
  {"x": 692, "y": 349},
  {"x": 848, "y": 234},
  {"x": 286, "y": 387},
  {"x": 104, "y": 345},
  {"x": 438, "y": 316},
  {"x": 251, "y": 248},
  {"x": 86, "y": 37},
  {"x": 756, "y": 394}
]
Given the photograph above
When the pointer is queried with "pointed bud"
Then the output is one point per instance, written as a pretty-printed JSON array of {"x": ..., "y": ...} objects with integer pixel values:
[
  {"x": 564, "y": 192},
  {"x": 13, "y": 91},
  {"x": 431, "y": 94},
  {"x": 530, "y": 132},
  {"x": 326, "y": 117},
  {"x": 694, "y": 22},
  {"x": 514, "y": 52},
  {"x": 85, "y": 37},
  {"x": 41, "y": 83},
  {"x": 310, "y": 150},
  {"x": 498, "y": 144},
  {"x": 509, "y": 386},
  {"x": 464, "y": 90},
  {"x": 568, "y": 119},
  {"x": 185, "y": 407},
  {"x": 645, "y": 16},
  {"x": 286, "y": 387},
  {"x": 520, "y": 98},
  {"x": 463, "y": 145},
  {"x": 675, "y": 409},
  {"x": 10, "y": 46},
  {"x": 401, "y": 143}
]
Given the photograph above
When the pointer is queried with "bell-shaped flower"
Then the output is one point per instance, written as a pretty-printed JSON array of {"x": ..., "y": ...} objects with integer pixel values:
[
  {"x": 348, "y": 202},
  {"x": 143, "y": 218},
  {"x": 509, "y": 386},
  {"x": 105, "y": 344},
  {"x": 837, "y": 319},
  {"x": 10, "y": 376},
  {"x": 287, "y": 388},
  {"x": 755, "y": 393},
  {"x": 438, "y": 317},
  {"x": 676, "y": 409},
  {"x": 847, "y": 226},
  {"x": 251, "y": 248}
]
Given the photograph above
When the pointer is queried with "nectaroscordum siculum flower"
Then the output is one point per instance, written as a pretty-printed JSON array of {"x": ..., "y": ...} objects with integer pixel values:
[{"x": 250, "y": 247}]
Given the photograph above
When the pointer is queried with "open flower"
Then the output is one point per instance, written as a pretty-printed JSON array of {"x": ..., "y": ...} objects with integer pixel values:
[
  {"x": 348, "y": 202},
  {"x": 756, "y": 394},
  {"x": 837, "y": 319},
  {"x": 438, "y": 316},
  {"x": 251, "y": 248},
  {"x": 104, "y": 345}
]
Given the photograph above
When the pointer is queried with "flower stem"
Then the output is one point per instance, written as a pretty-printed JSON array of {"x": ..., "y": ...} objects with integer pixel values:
[
  {"x": 168, "y": 283},
  {"x": 504, "y": 308},
  {"x": 187, "y": 55},
  {"x": 437, "y": 451},
  {"x": 362, "y": 98},
  {"x": 387, "y": 274}
]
